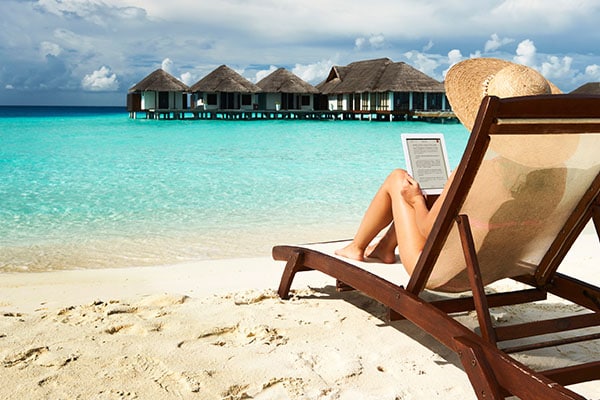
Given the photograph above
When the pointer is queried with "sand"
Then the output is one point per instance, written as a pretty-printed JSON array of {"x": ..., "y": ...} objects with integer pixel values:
[{"x": 217, "y": 330}]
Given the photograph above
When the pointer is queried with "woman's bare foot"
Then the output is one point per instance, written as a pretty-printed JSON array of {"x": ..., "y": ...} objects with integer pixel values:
[
  {"x": 384, "y": 253},
  {"x": 352, "y": 252}
]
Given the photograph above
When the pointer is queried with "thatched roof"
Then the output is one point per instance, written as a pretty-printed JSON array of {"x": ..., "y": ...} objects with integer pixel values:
[
  {"x": 283, "y": 81},
  {"x": 224, "y": 79},
  {"x": 160, "y": 81},
  {"x": 588, "y": 88},
  {"x": 380, "y": 75}
]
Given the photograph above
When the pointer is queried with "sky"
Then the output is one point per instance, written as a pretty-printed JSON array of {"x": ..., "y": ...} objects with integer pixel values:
[{"x": 90, "y": 52}]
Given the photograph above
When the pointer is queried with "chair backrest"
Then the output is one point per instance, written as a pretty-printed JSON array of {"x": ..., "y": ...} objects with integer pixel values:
[{"x": 527, "y": 180}]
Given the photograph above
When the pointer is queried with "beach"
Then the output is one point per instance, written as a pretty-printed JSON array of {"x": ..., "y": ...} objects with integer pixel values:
[
  {"x": 215, "y": 329},
  {"x": 135, "y": 264}
]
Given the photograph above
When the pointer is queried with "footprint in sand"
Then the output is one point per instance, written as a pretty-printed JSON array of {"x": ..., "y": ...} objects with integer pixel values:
[
  {"x": 241, "y": 335},
  {"x": 253, "y": 297},
  {"x": 168, "y": 380},
  {"x": 163, "y": 300},
  {"x": 56, "y": 358},
  {"x": 281, "y": 388},
  {"x": 115, "y": 317},
  {"x": 236, "y": 392},
  {"x": 23, "y": 358}
]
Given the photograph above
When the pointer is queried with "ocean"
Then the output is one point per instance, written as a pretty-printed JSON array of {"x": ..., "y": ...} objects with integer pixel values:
[{"x": 86, "y": 187}]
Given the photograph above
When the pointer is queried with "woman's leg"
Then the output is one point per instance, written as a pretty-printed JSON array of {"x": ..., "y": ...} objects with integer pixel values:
[
  {"x": 387, "y": 205},
  {"x": 409, "y": 238},
  {"x": 378, "y": 216},
  {"x": 385, "y": 249}
]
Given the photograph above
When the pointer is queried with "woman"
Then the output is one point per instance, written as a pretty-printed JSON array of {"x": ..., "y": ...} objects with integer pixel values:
[{"x": 399, "y": 203}]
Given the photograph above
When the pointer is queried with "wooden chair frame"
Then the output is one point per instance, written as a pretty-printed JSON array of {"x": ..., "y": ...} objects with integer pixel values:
[{"x": 492, "y": 371}]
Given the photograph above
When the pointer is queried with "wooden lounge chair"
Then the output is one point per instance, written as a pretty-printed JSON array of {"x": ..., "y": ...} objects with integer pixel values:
[{"x": 527, "y": 185}]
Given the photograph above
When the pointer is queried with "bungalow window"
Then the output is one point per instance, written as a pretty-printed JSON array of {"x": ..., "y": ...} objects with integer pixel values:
[
  {"x": 163, "y": 100},
  {"x": 340, "y": 102},
  {"x": 364, "y": 102},
  {"x": 211, "y": 99},
  {"x": 246, "y": 99},
  {"x": 305, "y": 100},
  {"x": 383, "y": 101},
  {"x": 418, "y": 101},
  {"x": 373, "y": 101},
  {"x": 402, "y": 101},
  {"x": 434, "y": 101}
]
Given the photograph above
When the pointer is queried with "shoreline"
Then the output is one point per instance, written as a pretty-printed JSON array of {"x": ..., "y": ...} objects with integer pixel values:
[
  {"x": 152, "y": 251},
  {"x": 194, "y": 278},
  {"x": 215, "y": 329}
]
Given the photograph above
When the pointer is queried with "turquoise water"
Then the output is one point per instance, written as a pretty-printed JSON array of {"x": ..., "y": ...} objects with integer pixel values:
[{"x": 87, "y": 188}]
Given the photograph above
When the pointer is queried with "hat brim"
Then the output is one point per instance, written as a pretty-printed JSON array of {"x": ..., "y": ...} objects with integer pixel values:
[{"x": 464, "y": 86}]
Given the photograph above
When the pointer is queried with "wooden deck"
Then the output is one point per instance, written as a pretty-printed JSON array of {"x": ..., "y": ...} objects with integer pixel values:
[{"x": 197, "y": 114}]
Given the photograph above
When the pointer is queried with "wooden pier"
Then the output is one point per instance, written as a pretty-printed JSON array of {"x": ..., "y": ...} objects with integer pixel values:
[{"x": 197, "y": 114}]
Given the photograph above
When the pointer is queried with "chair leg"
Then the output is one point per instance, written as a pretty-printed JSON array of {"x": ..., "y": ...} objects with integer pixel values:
[
  {"x": 479, "y": 297},
  {"x": 478, "y": 370},
  {"x": 293, "y": 265},
  {"x": 343, "y": 287}
]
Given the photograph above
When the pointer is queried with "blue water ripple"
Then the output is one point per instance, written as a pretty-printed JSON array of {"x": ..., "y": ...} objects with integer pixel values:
[{"x": 97, "y": 189}]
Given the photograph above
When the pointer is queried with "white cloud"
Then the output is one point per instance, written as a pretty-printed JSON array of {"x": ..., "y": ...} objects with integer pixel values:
[
  {"x": 454, "y": 56},
  {"x": 592, "y": 72},
  {"x": 75, "y": 42},
  {"x": 556, "y": 67},
  {"x": 424, "y": 62},
  {"x": 359, "y": 43},
  {"x": 49, "y": 49},
  {"x": 526, "y": 53},
  {"x": 264, "y": 73},
  {"x": 428, "y": 46},
  {"x": 559, "y": 70},
  {"x": 167, "y": 65},
  {"x": 56, "y": 43},
  {"x": 240, "y": 71},
  {"x": 495, "y": 42},
  {"x": 98, "y": 12},
  {"x": 9, "y": 87},
  {"x": 187, "y": 78},
  {"x": 100, "y": 80},
  {"x": 373, "y": 41},
  {"x": 377, "y": 41},
  {"x": 313, "y": 73},
  {"x": 57, "y": 7}
]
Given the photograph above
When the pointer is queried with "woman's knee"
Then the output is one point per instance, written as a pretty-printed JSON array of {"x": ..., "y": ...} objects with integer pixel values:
[{"x": 396, "y": 177}]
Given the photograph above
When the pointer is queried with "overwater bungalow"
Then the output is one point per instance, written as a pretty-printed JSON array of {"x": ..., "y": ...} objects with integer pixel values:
[
  {"x": 588, "y": 88},
  {"x": 380, "y": 89},
  {"x": 283, "y": 90},
  {"x": 384, "y": 88},
  {"x": 224, "y": 89},
  {"x": 159, "y": 94}
]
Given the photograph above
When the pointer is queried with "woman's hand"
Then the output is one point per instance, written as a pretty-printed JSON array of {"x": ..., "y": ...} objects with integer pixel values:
[{"x": 411, "y": 191}]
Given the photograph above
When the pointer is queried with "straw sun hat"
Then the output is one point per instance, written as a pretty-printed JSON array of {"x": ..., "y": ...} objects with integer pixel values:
[{"x": 469, "y": 81}]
